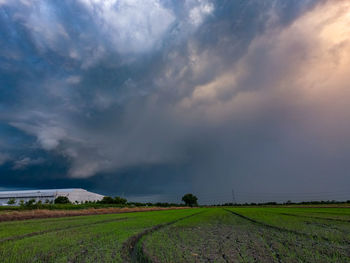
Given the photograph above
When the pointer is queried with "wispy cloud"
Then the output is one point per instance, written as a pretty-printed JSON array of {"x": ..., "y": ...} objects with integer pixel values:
[
  {"x": 4, "y": 158},
  {"x": 25, "y": 162}
]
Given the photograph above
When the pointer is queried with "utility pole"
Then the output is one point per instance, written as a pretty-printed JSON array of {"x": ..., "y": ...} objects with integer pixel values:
[{"x": 233, "y": 197}]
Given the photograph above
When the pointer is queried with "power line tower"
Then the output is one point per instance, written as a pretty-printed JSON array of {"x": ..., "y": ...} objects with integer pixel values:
[{"x": 233, "y": 196}]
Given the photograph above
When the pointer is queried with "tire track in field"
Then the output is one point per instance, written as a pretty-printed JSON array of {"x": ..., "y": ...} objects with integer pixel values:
[
  {"x": 129, "y": 249},
  {"x": 38, "y": 233}
]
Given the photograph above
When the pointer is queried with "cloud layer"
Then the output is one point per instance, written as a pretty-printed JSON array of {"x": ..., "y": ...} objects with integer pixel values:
[{"x": 211, "y": 95}]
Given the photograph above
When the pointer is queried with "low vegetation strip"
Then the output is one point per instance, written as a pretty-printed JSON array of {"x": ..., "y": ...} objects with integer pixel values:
[
  {"x": 42, "y": 213},
  {"x": 37, "y": 233},
  {"x": 316, "y": 217}
]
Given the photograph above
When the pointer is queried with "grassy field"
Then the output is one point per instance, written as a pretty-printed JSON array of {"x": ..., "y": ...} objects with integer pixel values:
[{"x": 187, "y": 235}]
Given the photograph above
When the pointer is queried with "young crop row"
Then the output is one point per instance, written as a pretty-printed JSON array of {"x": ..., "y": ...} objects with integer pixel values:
[
  {"x": 325, "y": 227},
  {"x": 221, "y": 236},
  {"x": 85, "y": 239}
]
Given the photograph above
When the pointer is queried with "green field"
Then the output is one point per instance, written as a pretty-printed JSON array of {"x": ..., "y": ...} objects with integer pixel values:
[{"x": 188, "y": 235}]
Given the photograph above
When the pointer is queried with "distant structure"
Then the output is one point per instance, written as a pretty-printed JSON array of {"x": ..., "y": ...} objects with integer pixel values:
[
  {"x": 233, "y": 197},
  {"x": 75, "y": 195}
]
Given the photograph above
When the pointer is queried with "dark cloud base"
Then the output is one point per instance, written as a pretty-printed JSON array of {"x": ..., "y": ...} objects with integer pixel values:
[{"x": 182, "y": 99}]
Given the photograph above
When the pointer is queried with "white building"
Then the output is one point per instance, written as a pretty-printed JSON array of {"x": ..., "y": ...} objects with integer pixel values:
[{"x": 74, "y": 195}]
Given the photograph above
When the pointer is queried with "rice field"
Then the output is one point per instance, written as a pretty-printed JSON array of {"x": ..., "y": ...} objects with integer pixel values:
[{"x": 253, "y": 234}]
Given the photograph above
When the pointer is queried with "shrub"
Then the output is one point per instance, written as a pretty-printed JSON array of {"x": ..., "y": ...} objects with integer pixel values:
[
  {"x": 11, "y": 201},
  {"x": 62, "y": 200},
  {"x": 30, "y": 202},
  {"x": 120, "y": 200},
  {"x": 107, "y": 200},
  {"x": 190, "y": 200}
]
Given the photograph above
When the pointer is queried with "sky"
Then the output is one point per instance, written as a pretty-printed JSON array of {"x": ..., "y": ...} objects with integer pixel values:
[{"x": 154, "y": 99}]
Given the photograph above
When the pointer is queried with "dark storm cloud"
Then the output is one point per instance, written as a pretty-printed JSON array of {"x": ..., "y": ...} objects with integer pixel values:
[{"x": 164, "y": 97}]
